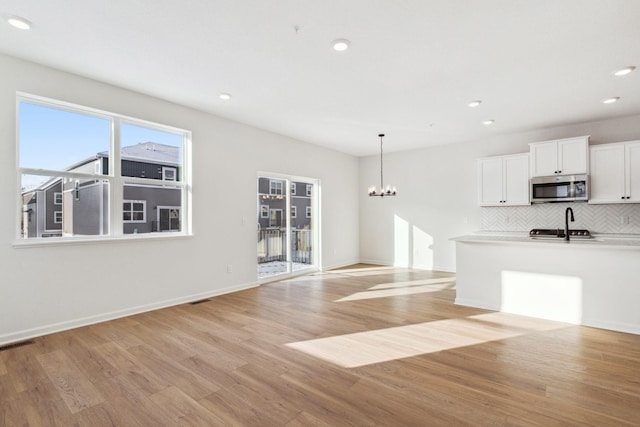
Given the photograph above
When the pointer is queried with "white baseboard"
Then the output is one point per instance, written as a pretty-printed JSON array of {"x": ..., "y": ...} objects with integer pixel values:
[
  {"x": 594, "y": 323},
  {"x": 90, "y": 320},
  {"x": 613, "y": 326},
  {"x": 446, "y": 269},
  {"x": 475, "y": 304}
]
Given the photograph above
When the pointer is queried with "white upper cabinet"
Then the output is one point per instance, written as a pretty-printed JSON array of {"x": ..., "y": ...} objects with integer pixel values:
[
  {"x": 615, "y": 173},
  {"x": 560, "y": 157},
  {"x": 503, "y": 180}
]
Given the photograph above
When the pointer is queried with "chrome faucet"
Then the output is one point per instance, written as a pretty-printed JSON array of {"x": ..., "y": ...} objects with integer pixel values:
[{"x": 566, "y": 223}]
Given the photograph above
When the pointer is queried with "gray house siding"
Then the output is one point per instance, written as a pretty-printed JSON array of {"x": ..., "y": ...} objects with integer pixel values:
[
  {"x": 51, "y": 207},
  {"x": 153, "y": 197},
  {"x": 88, "y": 209},
  {"x": 140, "y": 169}
]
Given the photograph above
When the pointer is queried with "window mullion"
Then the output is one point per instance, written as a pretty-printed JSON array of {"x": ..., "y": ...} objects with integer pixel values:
[{"x": 116, "y": 188}]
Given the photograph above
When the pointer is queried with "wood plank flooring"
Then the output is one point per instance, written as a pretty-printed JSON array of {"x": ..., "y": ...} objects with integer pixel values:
[{"x": 362, "y": 346}]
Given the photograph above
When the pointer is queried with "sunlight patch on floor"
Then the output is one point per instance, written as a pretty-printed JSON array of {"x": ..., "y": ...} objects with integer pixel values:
[
  {"x": 393, "y": 285},
  {"x": 365, "y": 348},
  {"x": 394, "y": 289},
  {"x": 382, "y": 269}
]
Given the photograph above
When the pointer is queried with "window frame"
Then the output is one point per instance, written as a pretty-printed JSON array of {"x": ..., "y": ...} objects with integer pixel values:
[
  {"x": 294, "y": 211},
  {"x": 165, "y": 169},
  {"x": 309, "y": 189},
  {"x": 55, "y": 198},
  {"x": 131, "y": 211},
  {"x": 55, "y": 217},
  {"x": 264, "y": 211},
  {"x": 308, "y": 213},
  {"x": 271, "y": 187},
  {"x": 116, "y": 181},
  {"x": 293, "y": 188}
]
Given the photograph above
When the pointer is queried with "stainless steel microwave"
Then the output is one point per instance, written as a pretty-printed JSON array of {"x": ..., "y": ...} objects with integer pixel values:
[{"x": 560, "y": 188}]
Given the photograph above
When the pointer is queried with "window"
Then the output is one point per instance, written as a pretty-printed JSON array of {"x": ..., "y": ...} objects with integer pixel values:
[
  {"x": 168, "y": 174},
  {"x": 105, "y": 169},
  {"x": 309, "y": 187},
  {"x": 293, "y": 188},
  {"x": 264, "y": 211},
  {"x": 57, "y": 217},
  {"x": 134, "y": 210},
  {"x": 308, "y": 211},
  {"x": 294, "y": 211},
  {"x": 275, "y": 187}
]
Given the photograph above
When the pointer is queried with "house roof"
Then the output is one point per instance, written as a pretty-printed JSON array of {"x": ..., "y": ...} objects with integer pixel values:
[{"x": 149, "y": 152}]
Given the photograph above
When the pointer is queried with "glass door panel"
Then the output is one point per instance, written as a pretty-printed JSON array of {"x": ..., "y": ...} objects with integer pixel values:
[
  {"x": 302, "y": 226},
  {"x": 286, "y": 232},
  {"x": 272, "y": 227}
]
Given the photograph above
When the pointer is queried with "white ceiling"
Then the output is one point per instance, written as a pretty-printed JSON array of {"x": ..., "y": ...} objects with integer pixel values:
[{"x": 412, "y": 67}]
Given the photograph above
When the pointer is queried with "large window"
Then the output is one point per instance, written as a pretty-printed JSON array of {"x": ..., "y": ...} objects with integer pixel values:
[{"x": 85, "y": 172}]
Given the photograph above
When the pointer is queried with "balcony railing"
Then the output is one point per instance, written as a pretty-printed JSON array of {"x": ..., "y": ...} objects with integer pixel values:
[{"x": 272, "y": 246}]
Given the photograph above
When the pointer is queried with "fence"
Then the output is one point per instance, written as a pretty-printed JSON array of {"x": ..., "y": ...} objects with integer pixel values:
[{"x": 272, "y": 246}]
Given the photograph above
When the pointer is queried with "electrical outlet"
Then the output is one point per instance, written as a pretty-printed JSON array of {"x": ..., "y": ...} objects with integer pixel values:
[
  {"x": 624, "y": 220},
  {"x": 229, "y": 268}
]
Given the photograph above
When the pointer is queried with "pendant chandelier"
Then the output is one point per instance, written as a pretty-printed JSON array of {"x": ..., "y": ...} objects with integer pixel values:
[{"x": 389, "y": 191}]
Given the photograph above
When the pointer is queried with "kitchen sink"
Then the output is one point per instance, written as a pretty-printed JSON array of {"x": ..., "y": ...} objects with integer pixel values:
[{"x": 558, "y": 234}]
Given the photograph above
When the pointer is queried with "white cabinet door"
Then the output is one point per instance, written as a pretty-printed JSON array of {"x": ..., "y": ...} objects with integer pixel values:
[
  {"x": 560, "y": 157},
  {"x": 607, "y": 173},
  {"x": 503, "y": 180},
  {"x": 516, "y": 179},
  {"x": 544, "y": 159},
  {"x": 490, "y": 182},
  {"x": 632, "y": 163},
  {"x": 572, "y": 156}
]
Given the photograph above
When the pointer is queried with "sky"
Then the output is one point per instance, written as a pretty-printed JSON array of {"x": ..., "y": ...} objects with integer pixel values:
[{"x": 55, "y": 139}]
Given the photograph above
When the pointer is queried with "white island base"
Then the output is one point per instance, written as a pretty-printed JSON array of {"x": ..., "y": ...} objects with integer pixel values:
[{"x": 593, "y": 283}]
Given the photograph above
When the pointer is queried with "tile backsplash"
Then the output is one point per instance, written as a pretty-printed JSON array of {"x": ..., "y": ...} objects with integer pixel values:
[{"x": 618, "y": 218}]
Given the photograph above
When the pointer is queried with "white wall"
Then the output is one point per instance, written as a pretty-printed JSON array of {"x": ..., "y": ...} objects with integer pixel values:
[
  {"x": 437, "y": 192},
  {"x": 48, "y": 288}
]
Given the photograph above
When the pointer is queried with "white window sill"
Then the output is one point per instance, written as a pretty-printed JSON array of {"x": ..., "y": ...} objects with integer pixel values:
[{"x": 64, "y": 241}]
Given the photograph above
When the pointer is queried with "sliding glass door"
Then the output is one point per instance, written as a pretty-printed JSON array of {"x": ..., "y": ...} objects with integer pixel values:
[{"x": 287, "y": 231}]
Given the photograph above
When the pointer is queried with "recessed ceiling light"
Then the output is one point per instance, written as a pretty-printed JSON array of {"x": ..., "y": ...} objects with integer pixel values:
[
  {"x": 340, "y": 44},
  {"x": 225, "y": 96},
  {"x": 611, "y": 100},
  {"x": 488, "y": 122},
  {"x": 624, "y": 71},
  {"x": 474, "y": 104},
  {"x": 18, "y": 22}
]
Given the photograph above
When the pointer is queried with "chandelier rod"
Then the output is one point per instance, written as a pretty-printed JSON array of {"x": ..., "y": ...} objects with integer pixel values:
[{"x": 381, "y": 169}]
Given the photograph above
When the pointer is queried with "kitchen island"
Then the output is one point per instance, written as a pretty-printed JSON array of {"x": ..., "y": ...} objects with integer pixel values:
[{"x": 592, "y": 282}]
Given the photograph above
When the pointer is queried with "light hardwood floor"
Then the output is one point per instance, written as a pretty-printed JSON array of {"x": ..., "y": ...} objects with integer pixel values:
[{"x": 360, "y": 346}]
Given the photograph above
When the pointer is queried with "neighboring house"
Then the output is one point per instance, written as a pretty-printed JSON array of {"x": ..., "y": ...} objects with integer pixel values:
[
  {"x": 272, "y": 200},
  {"x": 42, "y": 210},
  {"x": 66, "y": 206}
]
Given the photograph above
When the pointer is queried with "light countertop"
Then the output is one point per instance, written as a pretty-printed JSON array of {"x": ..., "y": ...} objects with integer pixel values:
[{"x": 617, "y": 241}]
